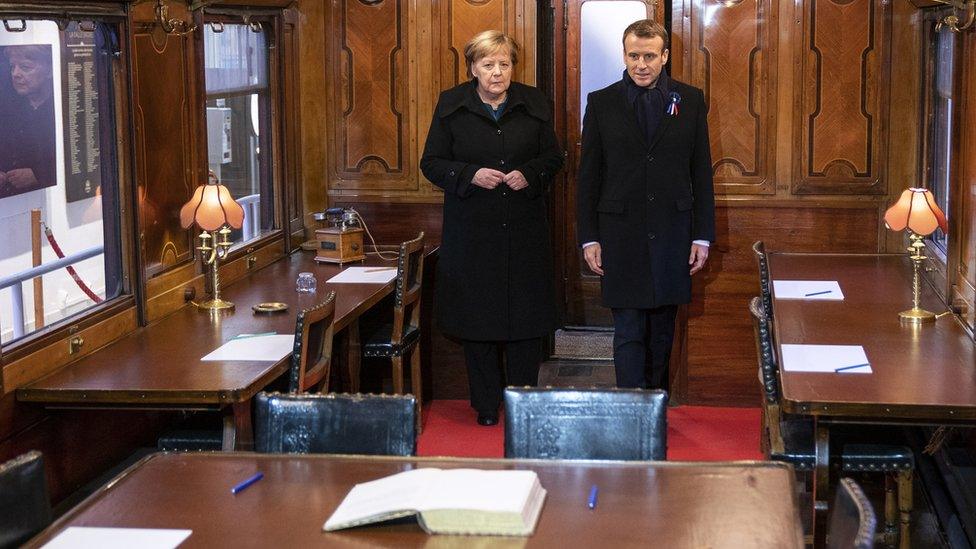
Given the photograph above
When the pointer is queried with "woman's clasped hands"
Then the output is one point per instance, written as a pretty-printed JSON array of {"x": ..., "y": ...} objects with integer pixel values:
[{"x": 488, "y": 178}]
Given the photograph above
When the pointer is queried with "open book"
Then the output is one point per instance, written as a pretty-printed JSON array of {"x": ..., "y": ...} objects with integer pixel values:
[{"x": 447, "y": 501}]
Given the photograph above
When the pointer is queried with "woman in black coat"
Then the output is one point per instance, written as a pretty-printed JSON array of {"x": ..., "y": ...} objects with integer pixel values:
[{"x": 492, "y": 149}]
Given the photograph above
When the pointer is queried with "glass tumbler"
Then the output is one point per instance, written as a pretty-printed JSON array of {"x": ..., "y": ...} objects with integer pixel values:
[{"x": 305, "y": 283}]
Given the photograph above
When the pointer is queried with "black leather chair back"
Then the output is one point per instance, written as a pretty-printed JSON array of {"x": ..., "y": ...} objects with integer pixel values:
[
  {"x": 409, "y": 282},
  {"x": 619, "y": 424},
  {"x": 24, "y": 506},
  {"x": 765, "y": 290},
  {"x": 852, "y": 520},
  {"x": 335, "y": 424},
  {"x": 311, "y": 361}
]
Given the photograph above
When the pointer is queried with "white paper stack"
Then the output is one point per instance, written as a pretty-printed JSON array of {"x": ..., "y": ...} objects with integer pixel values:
[
  {"x": 820, "y": 290},
  {"x": 365, "y": 275},
  {"x": 263, "y": 348},
  {"x": 77, "y": 537},
  {"x": 841, "y": 359}
]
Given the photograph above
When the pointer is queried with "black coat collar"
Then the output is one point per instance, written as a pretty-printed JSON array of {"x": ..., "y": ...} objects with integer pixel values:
[
  {"x": 466, "y": 96},
  {"x": 663, "y": 84}
]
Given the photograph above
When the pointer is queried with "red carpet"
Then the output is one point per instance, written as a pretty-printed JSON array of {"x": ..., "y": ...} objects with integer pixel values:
[{"x": 695, "y": 433}]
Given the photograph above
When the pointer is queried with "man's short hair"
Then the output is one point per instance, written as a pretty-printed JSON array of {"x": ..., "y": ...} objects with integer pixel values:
[
  {"x": 647, "y": 28},
  {"x": 488, "y": 42}
]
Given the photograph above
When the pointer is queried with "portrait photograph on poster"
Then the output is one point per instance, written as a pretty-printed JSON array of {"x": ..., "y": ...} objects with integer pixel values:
[{"x": 28, "y": 142}]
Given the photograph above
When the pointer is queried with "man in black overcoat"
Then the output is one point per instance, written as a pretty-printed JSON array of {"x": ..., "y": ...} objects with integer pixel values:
[{"x": 645, "y": 202}]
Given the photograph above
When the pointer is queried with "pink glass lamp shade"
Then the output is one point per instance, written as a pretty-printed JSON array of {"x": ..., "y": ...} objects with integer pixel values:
[
  {"x": 917, "y": 211},
  {"x": 212, "y": 207}
]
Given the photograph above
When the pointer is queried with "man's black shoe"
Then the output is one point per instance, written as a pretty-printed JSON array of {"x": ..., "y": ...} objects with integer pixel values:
[{"x": 487, "y": 419}]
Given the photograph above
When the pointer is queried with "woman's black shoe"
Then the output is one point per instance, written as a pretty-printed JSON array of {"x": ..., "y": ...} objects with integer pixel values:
[{"x": 487, "y": 419}]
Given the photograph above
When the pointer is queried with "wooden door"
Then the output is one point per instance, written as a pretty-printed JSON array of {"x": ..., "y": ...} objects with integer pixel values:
[{"x": 593, "y": 31}]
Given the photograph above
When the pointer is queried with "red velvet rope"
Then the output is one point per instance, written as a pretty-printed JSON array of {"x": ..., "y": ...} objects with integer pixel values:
[{"x": 71, "y": 270}]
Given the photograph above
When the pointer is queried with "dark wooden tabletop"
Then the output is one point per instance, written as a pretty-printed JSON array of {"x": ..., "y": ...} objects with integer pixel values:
[
  {"x": 651, "y": 504},
  {"x": 925, "y": 372},
  {"x": 160, "y": 363}
]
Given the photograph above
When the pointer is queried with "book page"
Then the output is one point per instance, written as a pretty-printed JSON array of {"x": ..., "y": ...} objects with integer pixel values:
[
  {"x": 397, "y": 494},
  {"x": 117, "y": 538},
  {"x": 474, "y": 489}
]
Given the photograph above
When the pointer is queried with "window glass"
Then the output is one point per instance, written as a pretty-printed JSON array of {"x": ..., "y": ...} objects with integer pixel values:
[
  {"x": 57, "y": 156},
  {"x": 238, "y": 120},
  {"x": 602, "y": 27},
  {"x": 941, "y": 103}
]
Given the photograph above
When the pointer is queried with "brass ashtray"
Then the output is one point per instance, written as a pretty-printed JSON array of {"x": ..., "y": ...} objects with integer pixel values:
[{"x": 270, "y": 307}]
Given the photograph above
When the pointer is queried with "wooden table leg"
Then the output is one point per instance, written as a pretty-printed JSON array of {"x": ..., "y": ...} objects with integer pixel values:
[
  {"x": 821, "y": 484},
  {"x": 238, "y": 432},
  {"x": 352, "y": 354}
]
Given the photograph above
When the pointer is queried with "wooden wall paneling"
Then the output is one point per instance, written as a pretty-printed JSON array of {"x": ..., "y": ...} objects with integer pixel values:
[
  {"x": 288, "y": 66},
  {"x": 166, "y": 108},
  {"x": 460, "y": 20},
  {"x": 374, "y": 147},
  {"x": 731, "y": 56},
  {"x": 315, "y": 148},
  {"x": 841, "y": 102}
]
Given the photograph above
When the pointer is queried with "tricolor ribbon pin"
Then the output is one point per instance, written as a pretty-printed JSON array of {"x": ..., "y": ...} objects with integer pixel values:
[{"x": 673, "y": 106}]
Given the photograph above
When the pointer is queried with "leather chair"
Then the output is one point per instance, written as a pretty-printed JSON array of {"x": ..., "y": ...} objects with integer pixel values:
[
  {"x": 402, "y": 337},
  {"x": 334, "y": 424},
  {"x": 790, "y": 438},
  {"x": 24, "y": 506},
  {"x": 765, "y": 290},
  {"x": 313, "y": 346},
  {"x": 852, "y": 521},
  {"x": 618, "y": 424}
]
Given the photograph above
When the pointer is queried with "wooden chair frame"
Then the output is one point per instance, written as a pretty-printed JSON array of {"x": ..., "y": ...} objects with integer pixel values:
[{"x": 311, "y": 361}]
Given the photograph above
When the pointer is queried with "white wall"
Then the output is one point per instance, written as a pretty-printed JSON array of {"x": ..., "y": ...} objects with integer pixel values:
[{"x": 77, "y": 226}]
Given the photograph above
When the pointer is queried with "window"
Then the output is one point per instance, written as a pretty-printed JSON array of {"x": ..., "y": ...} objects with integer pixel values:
[
  {"x": 239, "y": 136},
  {"x": 57, "y": 166},
  {"x": 940, "y": 101}
]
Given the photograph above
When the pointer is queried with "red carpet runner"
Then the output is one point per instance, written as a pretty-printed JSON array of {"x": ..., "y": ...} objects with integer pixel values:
[{"x": 695, "y": 433}]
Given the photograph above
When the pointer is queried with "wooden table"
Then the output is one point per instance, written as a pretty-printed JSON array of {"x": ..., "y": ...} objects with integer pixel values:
[
  {"x": 159, "y": 367},
  {"x": 651, "y": 504},
  {"x": 921, "y": 374}
]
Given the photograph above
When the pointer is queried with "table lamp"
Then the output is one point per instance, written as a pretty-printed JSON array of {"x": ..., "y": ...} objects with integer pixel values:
[
  {"x": 213, "y": 210},
  {"x": 916, "y": 211}
]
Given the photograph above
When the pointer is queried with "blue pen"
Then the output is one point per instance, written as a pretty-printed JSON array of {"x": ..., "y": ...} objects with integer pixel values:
[
  {"x": 818, "y": 293},
  {"x": 244, "y": 484},
  {"x": 851, "y": 367},
  {"x": 591, "y": 502}
]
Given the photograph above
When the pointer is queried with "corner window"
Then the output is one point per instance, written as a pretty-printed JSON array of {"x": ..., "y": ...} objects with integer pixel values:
[
  {"x": 940, "y": 104},
  {"x": 60, "y": 251},
  {"x": 239, "y": 136}
]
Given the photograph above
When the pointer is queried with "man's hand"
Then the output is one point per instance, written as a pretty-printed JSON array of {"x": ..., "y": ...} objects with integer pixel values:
[
  {"x": 699, "y": 255},
  {"x": 487, "y": 178},
  {"x": 593, "y": 254},
  {"x": 20, "y": 179},
  {"x": 515, "y": 180}
]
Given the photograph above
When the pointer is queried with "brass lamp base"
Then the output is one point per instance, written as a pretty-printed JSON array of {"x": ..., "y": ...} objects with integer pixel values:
[
  {"x": 916, "y": 315},
  {"x": 215, "y": 304}
]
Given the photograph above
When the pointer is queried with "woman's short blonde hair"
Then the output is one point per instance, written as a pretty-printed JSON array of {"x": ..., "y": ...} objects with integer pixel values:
[{"x": 488, "y": 42}]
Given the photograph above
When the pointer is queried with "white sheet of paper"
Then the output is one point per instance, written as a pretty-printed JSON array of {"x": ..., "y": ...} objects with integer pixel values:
[
  {"x": 268, "y": 348},
  {"x": 825, "y": 358},
  {"x": 824, "y": 290},
  {"x": 117, "y": 538},
  {"x": 365, "y": 275}
]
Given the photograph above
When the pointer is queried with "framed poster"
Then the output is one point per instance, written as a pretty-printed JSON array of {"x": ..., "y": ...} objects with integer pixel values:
[{"x": 82, "y": 125}]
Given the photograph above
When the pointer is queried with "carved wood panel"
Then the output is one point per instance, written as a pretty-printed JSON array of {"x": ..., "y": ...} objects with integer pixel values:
[
  {"x": 460, "y": 20},
  {"x": 733, "y": 60},
  {"x": 841, "y": 97},
  {"x": 370, "y": 103},
  {"x": 164, "y": 105},
  {"x": 963, "y": 229}
]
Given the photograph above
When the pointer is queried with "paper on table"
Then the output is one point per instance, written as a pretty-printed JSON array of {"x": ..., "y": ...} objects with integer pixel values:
[
  {"x": 264, "y": 348},
  {"x": 808, "y": 289},
  {"x": 117, "y": 538},
  {"x": 843, "y": 359},
  {"x": 365, "y": 275}
]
